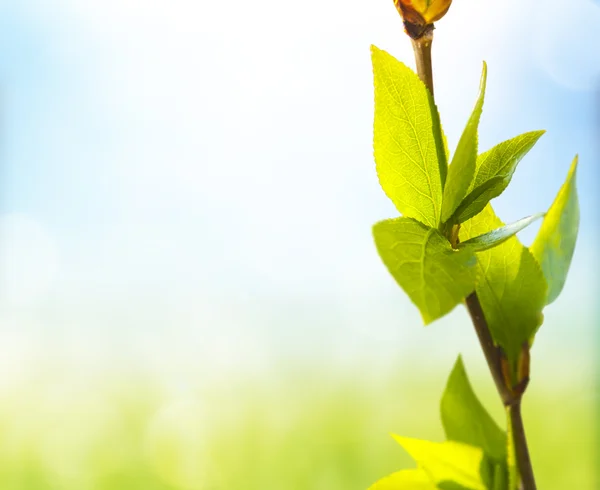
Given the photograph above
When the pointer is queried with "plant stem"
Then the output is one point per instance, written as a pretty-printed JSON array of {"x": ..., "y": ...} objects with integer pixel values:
[
  {"x": 491, "y": 352},
  {"x": 422, "y": 48},
  {"x": 521, "y": 448},
  {"x": 510, "y": 397}
]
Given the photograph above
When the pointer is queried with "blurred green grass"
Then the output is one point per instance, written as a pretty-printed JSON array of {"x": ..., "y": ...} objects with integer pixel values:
[{"x": 295, "y": 431}]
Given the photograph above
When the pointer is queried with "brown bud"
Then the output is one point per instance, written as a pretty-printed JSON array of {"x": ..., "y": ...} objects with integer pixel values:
[{"x": 419, "y": 15}]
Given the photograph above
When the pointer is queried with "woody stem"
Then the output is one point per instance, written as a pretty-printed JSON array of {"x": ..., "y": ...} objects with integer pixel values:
[
  {"x": 422, "y": 48},
  {"x": 493, "y": 355}
]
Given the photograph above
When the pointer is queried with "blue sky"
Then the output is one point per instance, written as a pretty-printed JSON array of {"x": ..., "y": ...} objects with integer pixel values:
[{"x": 210, "y": 164}]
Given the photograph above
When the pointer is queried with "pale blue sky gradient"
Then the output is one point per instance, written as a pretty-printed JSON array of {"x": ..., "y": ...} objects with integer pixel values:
[{"x": 197, "y": 177}]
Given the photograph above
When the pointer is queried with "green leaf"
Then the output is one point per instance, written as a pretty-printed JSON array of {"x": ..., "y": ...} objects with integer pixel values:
[
  {"x": 462, "y": 168},
  {"x": 408, "y": 143},
  {"x": 500, "y": 476},
  {"x": 476, "y": 200},
  {"x": 415, "y": 479},
  {"x": 494, "y": 171},
  {"x": 466, "y": 420},
  {"x": 511, "y": 460},
  {"x": 555, "y": 242},
  {"x": 450, "y": 485},
  {"x": 448, "y": 461},
  {"x": 435, "y": 277},
  {"x": 500, "y": 235},
  {"x": 510, "y": 286},
  {"x": 441, "y": 143}
]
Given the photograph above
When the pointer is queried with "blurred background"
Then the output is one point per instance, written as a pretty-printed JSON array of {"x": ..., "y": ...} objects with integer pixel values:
[{"x": 190, "y": 297}]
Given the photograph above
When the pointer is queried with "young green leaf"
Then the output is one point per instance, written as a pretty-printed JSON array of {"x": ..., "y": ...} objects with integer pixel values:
[
  {"x": 511, "y": 459},
  {"x": 510, "y": 286},
  {"x": 462, "y": 168},
  {"x": 448, "y": 461},
  {"x": 466, "y": 420},
  {"x": 476, "y": 200},
  {"x": 414, "y": 479},
  {"x": 435, "y": 277},
  {"x": 408, "y": 143},
  {"x": 555, "y": 242},
  {"x": 498, "y": 236},
  {"x": 494, "y": 171},
  {"x": 500, "y": 476}
]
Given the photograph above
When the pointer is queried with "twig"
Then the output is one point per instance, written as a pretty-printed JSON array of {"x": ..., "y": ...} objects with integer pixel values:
[
  {"x": 422, "y": 48},
  {"x": 490, "y": 350},
  {"x": 521, "y": 448},
  {"x": 511, "y": 396}
]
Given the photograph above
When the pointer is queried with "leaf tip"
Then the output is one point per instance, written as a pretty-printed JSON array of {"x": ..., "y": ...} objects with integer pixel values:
[
  {"x": 536, "y": 135},
  {"x": 459, "y": 362},
  {"x": 399, "y": 439},
  {"x": 574, "y": 165},
  {"x": 484, "y": 73},
  {"x": 376, "y": 52},
  {"x": 427, "y": 318}
]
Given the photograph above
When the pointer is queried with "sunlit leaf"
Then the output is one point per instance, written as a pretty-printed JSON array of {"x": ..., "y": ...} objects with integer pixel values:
[
  {"x": 435, "y": 277},
  {"x": 415, "y": 479},
  {"x": 462, "y": 168},
  {"x": 555, "y": 242},
  {"x": 408, "y": 144},
  {"x": 500, "y": 480},
  {"x": 466, "y": 420},
  {"x": 448, "y": 461},
  {"x": 511, "y": 460},
  {"x": 499, "y": 235},
  {"x": 493, "y": 173},
  {"x": 510, "y": 286}
]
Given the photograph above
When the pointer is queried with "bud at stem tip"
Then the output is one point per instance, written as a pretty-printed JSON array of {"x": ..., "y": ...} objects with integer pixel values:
[{"x": 419, "y": 15}]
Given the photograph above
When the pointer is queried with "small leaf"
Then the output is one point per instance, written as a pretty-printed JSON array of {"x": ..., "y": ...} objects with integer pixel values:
[
  {"x": 408, "y": 143},
  {"x": 555, "y": 242},
  {"x": 441, "y": 143},
  {"x": 476, "y": 200},
  {"x": 450, "y": 485},
  {"x": 435, "y": 277},
  {"x": 448, "y": 461},
  {"x": 466, "y": 420},
  {"x": 494, "y": 171},
  {"x": 415, "y": 479},
  {"x": 500, "y": 476},
  {"x": 511, "y": 460},
  {"x": 500, "y": 235},
  {"x": 510, "y": 286},
  {"x": 462, "y": 168}
]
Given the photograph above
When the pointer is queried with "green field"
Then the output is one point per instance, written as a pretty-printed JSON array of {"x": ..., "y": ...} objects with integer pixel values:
[{"x": 296, "y": 432}]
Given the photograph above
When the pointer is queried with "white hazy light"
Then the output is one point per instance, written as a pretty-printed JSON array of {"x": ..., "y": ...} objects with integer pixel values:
[
  {"x": 28, "y": 259},
  {"x": 567, "y": 43}
]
